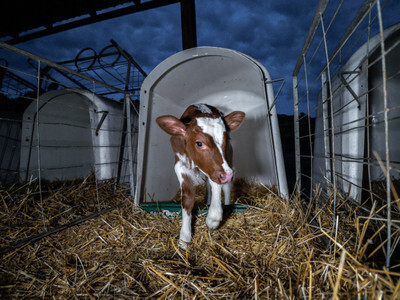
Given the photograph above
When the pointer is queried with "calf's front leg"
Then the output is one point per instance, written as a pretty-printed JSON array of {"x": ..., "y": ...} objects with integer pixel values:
[
  {"x": 214, "y": 216},
  {"x": 226, "y": 188},
  {"x": 187, "y": 192}
]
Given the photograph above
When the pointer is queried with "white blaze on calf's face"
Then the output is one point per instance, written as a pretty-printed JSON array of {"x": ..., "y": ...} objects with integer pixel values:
[{"x": 215, "y": 128}]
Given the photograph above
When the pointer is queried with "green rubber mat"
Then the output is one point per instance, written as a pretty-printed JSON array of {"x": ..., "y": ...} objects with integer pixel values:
[{"x": 175, "y": 209}]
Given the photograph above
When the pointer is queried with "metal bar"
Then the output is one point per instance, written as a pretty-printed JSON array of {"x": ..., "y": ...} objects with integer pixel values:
[
  {"x": 38, "y": 145},
  {"x": 51, "y": 231},
  {"x": 8, "y": 125},
  {"x": 3, "y": 70},
  {"x": 277, "y": 94},
  {"x": 92, "y": 19},
  {"x": 348, "y": 87},
  {"x": 14, "y": 153},
  {"x": 86, "y": 58},
  {"x": 188, "y": 24},
  {"x": 125, "y": 122},
  {"x": 130, "y": 148},
  {"x": 57, "y": 66},
  {"x": 45, "y": 73},
  {"x": 296, "y": 133},
  {"x": 124, "y": 118},
  {"x": 71, "y": 79},
  {"x": 128, "y": 75},
  {"x": 332, "y": 128},
  {"x": 386, "y": 110},
  {"x": 94, "y": 153},
  {"x": 19, "y": 79},
  {"x": 325, "y": 117},
  {"x": 103, "y": 117},
  {"x": 309, "y": 126},
  {"x": 130, "y": 61},
  {"x": 122, "y": 142},
  {"x": 365, "y": 66},
  {"x": 361, "y": 14},
  {"x": 128, "y": 57},
  {"x": 377, "y": 219},
  {"x": 281, "y": 182},
  {"x": 311, "y": 33}
]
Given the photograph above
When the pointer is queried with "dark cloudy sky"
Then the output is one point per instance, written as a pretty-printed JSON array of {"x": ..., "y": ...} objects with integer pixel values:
[{"x": 272, "y": 32}]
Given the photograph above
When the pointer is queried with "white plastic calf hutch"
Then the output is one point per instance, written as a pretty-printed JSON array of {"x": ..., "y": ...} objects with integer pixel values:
[
  {"x": 351, "y": 113},
  {"x": 80, "y": 134},
  {"x": 228, "y": 80}
]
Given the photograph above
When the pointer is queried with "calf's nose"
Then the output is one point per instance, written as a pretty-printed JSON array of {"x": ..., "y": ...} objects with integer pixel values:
[{"x": 226, "y": 177}]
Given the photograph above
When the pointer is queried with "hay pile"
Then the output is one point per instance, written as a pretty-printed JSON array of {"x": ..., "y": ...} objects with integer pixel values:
[
  {"x": 270, "y": 251},
  {"x": 28, "y": 210}
]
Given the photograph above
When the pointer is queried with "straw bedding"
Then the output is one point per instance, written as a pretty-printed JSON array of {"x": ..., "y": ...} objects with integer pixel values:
[{"x": 269, "y": 251}]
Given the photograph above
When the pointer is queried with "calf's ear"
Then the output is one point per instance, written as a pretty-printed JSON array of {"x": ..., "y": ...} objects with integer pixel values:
[
  {"x": 234, "y": 120},
  {"x": 171, "y": 125}
]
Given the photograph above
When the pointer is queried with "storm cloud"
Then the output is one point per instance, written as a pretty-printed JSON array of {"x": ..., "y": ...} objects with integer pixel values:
[{"x": 272, "y": 32}]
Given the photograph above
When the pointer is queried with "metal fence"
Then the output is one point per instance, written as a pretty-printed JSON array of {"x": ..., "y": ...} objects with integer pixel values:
[
  {"x": 346, "y": 100},
  {"x": 64, "y": 126}
]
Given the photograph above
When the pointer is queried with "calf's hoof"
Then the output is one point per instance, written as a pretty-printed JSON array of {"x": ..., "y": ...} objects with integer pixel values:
[
  {"x": 183, "y": 245},
  {"x": 214, "y": 217},
  {"x": 212, "y": 223}
]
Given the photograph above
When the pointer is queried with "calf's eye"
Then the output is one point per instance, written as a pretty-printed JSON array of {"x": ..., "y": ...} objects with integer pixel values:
[{"x": 199, "y": 144}]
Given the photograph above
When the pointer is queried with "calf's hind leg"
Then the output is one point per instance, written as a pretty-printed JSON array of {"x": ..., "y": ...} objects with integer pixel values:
[
  {"x": 187, "y": 192},
  {"x": 208, "y": 191},
  {"x": 227, "y": 188}
]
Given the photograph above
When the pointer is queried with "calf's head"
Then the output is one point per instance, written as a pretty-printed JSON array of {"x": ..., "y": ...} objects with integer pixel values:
[{"x": 204, "y": 140}]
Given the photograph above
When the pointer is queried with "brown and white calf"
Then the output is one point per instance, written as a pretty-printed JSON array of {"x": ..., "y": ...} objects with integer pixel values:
[{"x": 199, "y": 139}]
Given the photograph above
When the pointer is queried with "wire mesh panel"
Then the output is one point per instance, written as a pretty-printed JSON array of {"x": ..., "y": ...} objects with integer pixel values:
[
  {"x": 347, "y": 113},
  {"x": 68, "y": 139}
]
